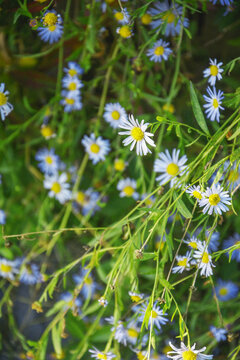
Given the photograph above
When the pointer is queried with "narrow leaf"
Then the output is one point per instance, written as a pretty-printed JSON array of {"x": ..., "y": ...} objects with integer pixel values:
[{"x": 197, "y": 110}]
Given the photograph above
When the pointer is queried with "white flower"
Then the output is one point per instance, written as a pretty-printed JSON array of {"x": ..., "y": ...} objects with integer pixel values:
[
  {"x": 193, "y": 242},
  {"x": 97, "y": 148},
  {"x": 204, "y": 260},
  {"x": 125, "y": 31},
  {"x": 114, "y": 114},
  {"x": 170, "y": 166},
  {"x": 120, "y": 164},
  {"x": 157, "y": 318},
  {"x": 87, "y": 201},
  {"x": 135, "y": 297},
  {"x": 183, "y": 263},
  {"x": 101, "y": 355},
  {"x": 194, "y": 191},
  {"x": 219, "y": 334},
  {"x": 136, "y": 135},
  {"x": 73, "y": 69},
  {"x": 215, "y": 200},
  {"x": 122, "y": 17},
  {"x": 71, "y": 83},
  {"x": 5, "y": 106},
  {"x": 132, "y": 332},
  {"x": 71, "y": 100},
  {"x": 186, "y": 353},
  {"x": 8, "y": 269},
  {"x": 159, "y": 51},
  {"x": 213, "y": 105},
  {"x": 58, "y": 186},
  {"x": 127, "y": 188},
  {"x": 213, "y": 72},
  {"x": 48, "y": 161},
  {"x": 103, "y": 302}
]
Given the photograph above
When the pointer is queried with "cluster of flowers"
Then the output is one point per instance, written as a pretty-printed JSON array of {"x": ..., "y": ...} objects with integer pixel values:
[
  {"x": 19, "y": 269},
  {"x": 51, "y": 28}
]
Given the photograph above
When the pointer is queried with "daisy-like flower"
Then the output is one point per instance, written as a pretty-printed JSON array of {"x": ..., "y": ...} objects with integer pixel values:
[
  {"x": 58, "y": 186},
  {"x": 122, "y": 17},
  {"x": 127, "y": 188},
  {"x": 103, "y": 302},
  {"x": 222, "y": 2},
  {"x": 194, "y": 191},
  {"x": 47, "y": 132},
  {"x": 233, "y": 178},
  {"x": 183, "y": 263},
  {"x": 204, "y": 259},
  {"x": 89, "y": 285},
  {"x": 71, "y": 100},
  {"x": 71, "y": 302},
  {"x": 160, "y": 51},
  {"x": 135, "y": 297},
  {"x": 120, "y": 164},
  {"x": 2, "y": 217},
  {"x": 125, "y": 31},
  {"x": 146, "y": 19},
  {"x": 171, "y": 17},
  {"x": 157, "y": 318},
  {"x": 30, "y": 274},
  {"x": 150, "y": 201},
  {"x": 71, "y": 83},
  {"x": 101, "y": 355},
  {"x": 87, "y": 201},
  {"x": 193, "y": 243},
  {"x": 137, "y": 134},
  {"x": 231, "y": 241},
  {"x": 5, "y": 106},
  {"x": 219, "y": 334},
  {"x": 213, "y": 72},
  {"x": 52, "y": 28},
  {"x": 214, "y": 101},
  {"x": 226, "y": 290},
  {"x": 119, "y": 330},
  {"x": 186, "y": 353},
  {"x": 73, "y": 69},
  {"x": 214, "y": 240},
  {"x": 114, "y": 114},
  {"x": 48, "y": 161},
  {"x": 8, "y": 269},
  {"x": 215, "y": 200},
  {"x": 132, "y": 332},
  {"x": 97, "y": 148},
  {"x": 169, "y": 166}
]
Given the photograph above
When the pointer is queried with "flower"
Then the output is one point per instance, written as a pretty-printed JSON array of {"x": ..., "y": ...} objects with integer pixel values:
[
  {"x": 100, "y": 355},
  {"x": 193, "y": 242},
  {"x": 103, "y": 302},
  {"x": 222, "y": 2},
  {"x": 114, "y": 114},
  {"x": 150, "y": 201},
  {"x": 47, "y": 132},
  {"x": 213, "y": 105},
  {"x": 226, "y": 290},
  {"x": 52, "y": 30},
  {"x": 194, "y": 191},
  {"x": 125, "y": 31},
  {"x": 146, "y": 19},
  {"x": 8, "y": 269},
  {"x": 2, "y": 217},
  {"x": 183, "y": 263},
  {"x": 119, "y": 331},
  {"x": 204, "y": 260},
  {"x": 89, "y": 285},
  {"x": 97, "y": 148},
  {"x": 231, "y": 241},
  {"x": 135, "y": 297},
  {"x": 48, "y": 161},
  {"x": 159, "y": 51},
  {"x": 213, "y": 72},
  {"x": 233, "y": 173},
  {"x": 186, "y": 353},
  {"x": 171, "y": 17},
  {"x": 120, "y": 164},
  {"x": 214, "y": 240},
  {"x": 71, "y": 100},
  {"x": 73, "y": 69},
  {"x": 71, "y": 83},
  {"x": 219, "y": 334},
  {"x": 215, "y": 200},
  {"x": 170, "y": 166},
  {"x": 122, "y": 17},
  {"x": 127, "y": 188},
  {"x": 136, "y": 135},
  {"x": 30, "y": 274},
  {"x": 87, "y": 200},
  {"x": 5, "y": 106},
  {"x": 132, "y": 332},
  {"x": 157, "y": 318},
  {"x": 71, "y": 302},
  {"x": 58, "y": 186},
  {"x": 169, "y": 108}
]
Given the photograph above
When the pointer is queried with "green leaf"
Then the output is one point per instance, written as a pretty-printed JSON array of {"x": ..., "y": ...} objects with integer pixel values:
[
  {"x": 197, "y": 110},
  {"x": 56, "y": 338},
  {"x": 237, "y": 132},
  {"x": 147, "y": 256},
  {"x": 182, "y": 208},
  {"x": 20, "y": 12},
  {"x": 166, "y": 284}
]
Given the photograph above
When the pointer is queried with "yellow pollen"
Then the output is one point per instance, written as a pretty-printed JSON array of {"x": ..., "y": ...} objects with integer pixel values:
[
  {"x": 159, "y": 244},
  {"x": 233, "y": 176},
  {"x": 215, "y": 103},
  {"x": 128, "y": 190},
  {"x": 50, "y": 19},
  {"x": 146, "y": 19},
  {"x": 213, "y": 70},
  {"x": 172, "y": 169},
  {"x": 72, "y": 86},
  {"x": 159, "y": 50},
  {"x": 223, "y": 291},
  {"x": 119, "y": 16},
  {"x": 56, "y": 187},
  {"x": 46, "y": 131},
  {"x": 154, "y": 314},
  {"x": 70, "y": 101},
  {"x": 80, "y": 197},
  {"x": 137, "y": 134},
  {"x": 214, "y": 199},
  {"x": 5, "y": 268},
  {"x": 88, "y": 281},
  {"x": 70, "y": 303},
  {"x": 205, "y": 258},
  {"x": 189, "y": 355},
  {"x": 95, "y": 148},
  {"x": 193, "y": 244},
  {"x": 141, "y": 356},
  {"x": 182, "y": 262},
  {"x": 115, "y": 115},
  {"x": 132, "y": 333},
  {"x": 101, "y": 356},
  {"x": 52, "y": 28},
  {"x": 169, "y": 107},
  {"x": 119, "y": 165},
  {"x": 48, "y": 160},
  {"x": 136, "y": 298},
  {"x": 197, "y": 195},
  {"x": 72, "y": 72},
  {"x": 125, "y": 31},
  {"x": 3, "y": 99},
  {"x": 169, "y": 17}
]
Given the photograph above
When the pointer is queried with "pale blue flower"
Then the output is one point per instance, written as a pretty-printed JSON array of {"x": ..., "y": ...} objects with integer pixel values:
[{"x": 160, "y": 51}]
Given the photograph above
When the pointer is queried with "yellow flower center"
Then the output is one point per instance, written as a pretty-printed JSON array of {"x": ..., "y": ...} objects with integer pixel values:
[
  {"x": 119, "y": 16},
  {"x": 72, "y": 86},
  {"x": 154, "y": 314},
  {"x": 95, "y": 148},
  {"x": 80, "y": 197},
  {"x": 214, "y": 199},
  {"x": 197, "y": 194},
  {"x": 135, "y": 298},
  {"x": 50, "y": 19},
  {"x": 72, "y": 72},
  {"x": 115, "y": 115},
  {"x": 3, "y": 99},
  {"x": 70, "y": 101},
  {"x": 137, "y": 134},
  {"x": 5, "y": 268},
  {"x": 213, "y": 70},
  {"x": 46, "y": 131},
  {"x": 146, "y": 19},
  {"x": 141, "y": 356},
  {"x": 159, "y": 244},
  {"x": 172, "y": 169},
  {"x": 169, "y": 17},
  {"x": 223, "y": 291},
  {"x": 48, "y": 160},
  {"x": 88, "y": 281},
  {"x": 182, "y": 262},
  {"x": 169, "y": 107},
  {"x": 159, "y": 50},
  {"x": 215, "y": 103},
  {"x": 233, "y": 176},
  {"x": 119, "y": 165},
  {"x": 189, "y": 355},
  {"x": 56, "y": 187},
  {"x": 128, "y": 190},
  {"x": 205, "y": 258},
  {"x": 125, "y": 31},
  {"x": 101, "y": 356},
  {"x": 27, "y": 61},
  {"x": 52, "y": 28},
  {"x": 132, "y": 333},
  {"x": 193, "y": 244}
]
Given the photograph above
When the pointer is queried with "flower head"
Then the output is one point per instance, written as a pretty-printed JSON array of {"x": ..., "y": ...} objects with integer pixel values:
[
  {"x": 73, "y": 69},
  {"x": 47, "y": 132},
  {"x": 157, "y": 318},
  {"x": 8, "y": 269},
  {"x": 193, "y": 243},
  {"x": 103, "y": 302},
  {"x": 213, "y": 72},
  {"x": 2, "y": 217},
  {"x": 30, "y": 274},
  {"x": 87, "y": 201},
  {"x": 5, "y": 106},
  {"x": 135, "y": 297},
  {"x": 215, "y": 200},
  {"x": 194, "y": 191},
  {"x": 71, "y": 83},
  {"x": 187, "y": 353},
  {"x": 122, "y": 17},
  {"x": 183, "y": 263},
  {"x": 160, "y": 51},
  {"x": 204, "y": 259},
  {"x": 89, "y": 286},
  {"x": 114, "y": 114},
  {"x": 219, "y": 334},
  {"x": 127, "y": 188},
  {"x": 97, "y": 148},
  {"x": 213, "y": 103},
  {"x": 222, "y": 2},
  {"x": 231, "y": 241},
  {"x": 71, "y": 302},
  {"x": 101, "y": 355},
  {"x": 226, "y": 290},
  {"x": 125, "y": 31},
  {"x": 48, "y": 161},
  {"x": 58, "y": 186},
  {"x": 120, "y": 164},
  {"x": 71, "y": 100}
]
